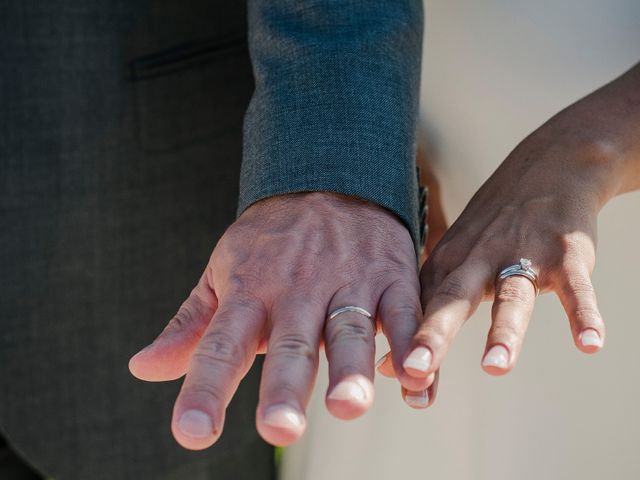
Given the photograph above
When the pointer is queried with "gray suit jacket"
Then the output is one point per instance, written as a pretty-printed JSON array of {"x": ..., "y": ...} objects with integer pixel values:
[{"x": 120, "y": 146}]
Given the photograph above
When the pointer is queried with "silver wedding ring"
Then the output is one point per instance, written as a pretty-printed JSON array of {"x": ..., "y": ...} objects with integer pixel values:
[
  {"x": 522, "y": 269},
  {"x": 348, "y": 308}
]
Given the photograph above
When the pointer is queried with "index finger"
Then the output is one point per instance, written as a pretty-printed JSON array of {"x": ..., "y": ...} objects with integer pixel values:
[
  {"x": 453, "y": 302},
  {"x": 221, "y": 359}
]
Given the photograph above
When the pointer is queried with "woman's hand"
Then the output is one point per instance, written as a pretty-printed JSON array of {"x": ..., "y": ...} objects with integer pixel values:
[
  {"x": 541, "y": 204},
  {"x": 437, "y": 227}
]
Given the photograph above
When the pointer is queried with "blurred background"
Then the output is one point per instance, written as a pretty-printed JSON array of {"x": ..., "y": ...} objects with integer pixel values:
[{"x": 493, "y": 71}]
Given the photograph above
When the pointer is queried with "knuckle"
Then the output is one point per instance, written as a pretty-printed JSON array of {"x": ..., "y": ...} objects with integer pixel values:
[
  {"x": 397, "y": 258},
  {"x": 453, "y": 288},
  {"x": 586, "y": 315},
  {"x": 403, "y": 311},
  {"x": 435, "y": 336},
  {"x": 304, "y": 270},
  {"x": 302, "y": 274},
  {"x": 293, "y": 345},
  {"x": 210, "y": 393},
  {"x": 509, "y": 293},
  {"x": 283, "y": 388},
  {"x": 201, "y": 297},
  {"x": 569, "y": 244},
  {"x": 218, "y": 348},
  {"x": 400, "y": 275},
  {"x": 182, "y": 319},
  {"x": 580, "y": 286},
  {"x": 242, "y": 282},
  {"x": 348, "y": 331},
  {"x": 247, "y": 306},
  {"x": 505, "y": 332},
  {"x": 237, "y": 282},
  {"x": 576, "y": 247},
  {"x": 178, "y": 322}
]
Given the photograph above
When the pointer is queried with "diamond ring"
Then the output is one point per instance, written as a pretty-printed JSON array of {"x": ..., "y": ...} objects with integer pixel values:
[{"x": 522, "y": 269}]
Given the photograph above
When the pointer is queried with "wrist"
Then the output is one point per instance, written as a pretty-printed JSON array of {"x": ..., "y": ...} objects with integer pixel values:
[
  {"x": 603, "y": 153},
  {"x": 592, "y": 145},
  {"x": 600, "y": 165},
  {"x": 329, "y": 204},
  {"x": 605, "y": 125},
  {"x": 580, "y": 154}
]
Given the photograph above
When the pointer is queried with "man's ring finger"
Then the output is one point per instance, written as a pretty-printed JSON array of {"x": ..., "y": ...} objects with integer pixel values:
[{"x": 349, "y": 308}]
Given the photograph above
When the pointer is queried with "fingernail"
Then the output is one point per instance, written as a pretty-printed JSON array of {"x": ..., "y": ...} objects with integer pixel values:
[
  {"x": 381, "y": 362},
  {"x": 384, "y": 367},
  {"x": 498, "y": 356},
  {"x": 196, "y": 424},
  {"x": 283, "y": 416},
  {"x": 417, "y": 399},
  {"x": 590, "y": 338},
  {"x": 348, "y": 390},
  {"x": 419, "y": 359}
]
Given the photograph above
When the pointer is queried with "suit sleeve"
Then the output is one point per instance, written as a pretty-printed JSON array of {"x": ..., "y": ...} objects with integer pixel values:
[{"x": 335, "y": 101}]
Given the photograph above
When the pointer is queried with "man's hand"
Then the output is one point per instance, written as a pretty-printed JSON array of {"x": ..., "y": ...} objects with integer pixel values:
[{"x": 271, "y": 281}]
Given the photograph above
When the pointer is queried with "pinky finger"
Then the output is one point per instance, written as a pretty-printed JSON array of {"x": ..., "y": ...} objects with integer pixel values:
[
  {"x": 424, "y": 398},
  {"x": 579, "y": 301},
  {"x": 384, "y": 366}
]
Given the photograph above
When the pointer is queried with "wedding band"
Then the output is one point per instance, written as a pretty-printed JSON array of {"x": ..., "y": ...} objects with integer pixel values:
[
  {"x": 522, "y": 269},
  {"x": 348, "y": 308}
]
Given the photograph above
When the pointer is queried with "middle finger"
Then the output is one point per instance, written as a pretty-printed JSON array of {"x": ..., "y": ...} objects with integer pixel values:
[
  {"x": 290, "y": 368},
  {"x": 511, "y": 312}
]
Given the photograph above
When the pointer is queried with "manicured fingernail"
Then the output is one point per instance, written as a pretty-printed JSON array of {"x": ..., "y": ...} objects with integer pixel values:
[
  {"x": 283, "y": 416},
  {"x": 381, "y": 362},
  {"x": 498, "y": 356},
  {"x": 348, "y": 390},
  {"x": 590, "y": 338},
  {"x": 385, "y": 367},
  {"x": 196, "y": 424},
  {"x": 419, "y": 359},
  {"x": 417, "y": 399}
]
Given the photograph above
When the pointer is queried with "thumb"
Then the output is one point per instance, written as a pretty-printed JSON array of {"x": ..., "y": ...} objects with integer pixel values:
[{"x": 168, "y": 357}]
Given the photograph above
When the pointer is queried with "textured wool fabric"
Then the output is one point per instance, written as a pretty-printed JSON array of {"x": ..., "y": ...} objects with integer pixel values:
[
  {"x": 336, "y": 99},
  {"x": 13, "y": 467},
  {"x": 120, "y": 150}
]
